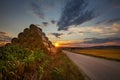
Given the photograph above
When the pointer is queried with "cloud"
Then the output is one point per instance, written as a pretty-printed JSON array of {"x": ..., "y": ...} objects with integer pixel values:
[
  {"x": 114, "y": 20},
  {"x": 53, "y": 21},
  {"x": 109, "y": 21},
  {"x": 2, "y": 33},
  {"x": 36, "y": 10},
  {"x": 111, "y": 30},
  {"x": 89, "y": 42},
  {"x": 57, "y": 35},
  {"x": 102, "y": 40},
  {"x": 75, "y": 13},
  {"x": 38, "y": 25},
  {"x": 70, "y": 33},
  {"x": 104, "y": 30},
  {"x": 86, "y": 29},
  {"x": 115, "y": 3},
  {"x": 4, "y": 38},
  {"x": 45, "y": 23},
  {"x": 75, "y": 31}
]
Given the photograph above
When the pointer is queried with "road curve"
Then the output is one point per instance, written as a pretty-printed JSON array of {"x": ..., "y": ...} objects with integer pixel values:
[{"x": 96, "y": 68}]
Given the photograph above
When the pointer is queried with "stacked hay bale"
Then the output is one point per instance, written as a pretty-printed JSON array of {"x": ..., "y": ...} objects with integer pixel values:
[{"x": 34, "y": 38}]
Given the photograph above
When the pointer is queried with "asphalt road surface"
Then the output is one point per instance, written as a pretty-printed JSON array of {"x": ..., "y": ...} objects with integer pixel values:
[{"x": 96, "y": 68}]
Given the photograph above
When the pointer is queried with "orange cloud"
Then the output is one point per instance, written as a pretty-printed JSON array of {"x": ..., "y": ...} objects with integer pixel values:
[
  {"x": 4, "y": 38},
  {"x": 3, "y": 43},
  {"x": 69, "y": 43},
  {"x": 82, "y": 43}
]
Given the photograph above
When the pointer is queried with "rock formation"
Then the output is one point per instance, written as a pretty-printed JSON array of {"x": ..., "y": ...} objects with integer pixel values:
[{"x": 34, "y": 38}]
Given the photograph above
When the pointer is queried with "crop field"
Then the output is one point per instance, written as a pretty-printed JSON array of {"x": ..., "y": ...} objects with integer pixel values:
[{"x": 113, "y": 54}]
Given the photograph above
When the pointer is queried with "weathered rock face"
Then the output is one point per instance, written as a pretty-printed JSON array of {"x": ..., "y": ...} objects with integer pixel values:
[{"x": 34, "y": 38}]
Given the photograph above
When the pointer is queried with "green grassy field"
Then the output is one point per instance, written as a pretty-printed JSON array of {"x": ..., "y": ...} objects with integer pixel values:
[{"x": 113, "y": 54}]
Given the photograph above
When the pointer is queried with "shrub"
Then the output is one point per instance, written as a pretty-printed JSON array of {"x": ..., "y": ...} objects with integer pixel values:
[{"x": 16, "y": 61}]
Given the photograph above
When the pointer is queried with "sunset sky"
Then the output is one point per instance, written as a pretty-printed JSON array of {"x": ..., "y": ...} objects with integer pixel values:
[{"x": 81, "y": 23}]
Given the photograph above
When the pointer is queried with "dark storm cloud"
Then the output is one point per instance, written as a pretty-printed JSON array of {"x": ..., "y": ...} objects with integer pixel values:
[
  {"x": 37, "y": 11},
  {"x": 75, "y": 13},
  {"x": 102, "y": 40},
  {"x": 45, "y": 23},
  {"x": 57, "y": 35},
  {"x": 109, "y": 21}
]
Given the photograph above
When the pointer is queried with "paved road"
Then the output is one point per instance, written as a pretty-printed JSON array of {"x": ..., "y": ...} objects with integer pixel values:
[{"x": 96, "y": 68}]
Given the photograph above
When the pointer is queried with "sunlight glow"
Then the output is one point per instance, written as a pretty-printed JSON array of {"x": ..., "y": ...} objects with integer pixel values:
[{"x": 56, "y": 44}]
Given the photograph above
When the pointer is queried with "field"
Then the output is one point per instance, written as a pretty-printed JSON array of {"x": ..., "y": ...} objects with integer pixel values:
[{"x": 113, "y": 54}]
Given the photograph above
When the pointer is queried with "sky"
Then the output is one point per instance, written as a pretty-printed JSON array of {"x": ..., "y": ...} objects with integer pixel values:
[{"x": 70, "y": 23}]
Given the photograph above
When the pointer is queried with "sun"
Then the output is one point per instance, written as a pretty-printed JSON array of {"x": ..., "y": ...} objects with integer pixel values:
[{"x": 56, "y": 44}]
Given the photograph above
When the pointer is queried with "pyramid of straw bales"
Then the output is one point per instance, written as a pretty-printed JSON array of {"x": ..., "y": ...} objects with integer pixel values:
[{"x": 33, "y": 38}]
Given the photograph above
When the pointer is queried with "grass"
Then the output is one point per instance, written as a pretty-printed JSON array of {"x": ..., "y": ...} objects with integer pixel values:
[
  {"x": 68, "y": 69},
  {"x": 18, "y": 63},
  {"x": 112, "y": 54}
]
